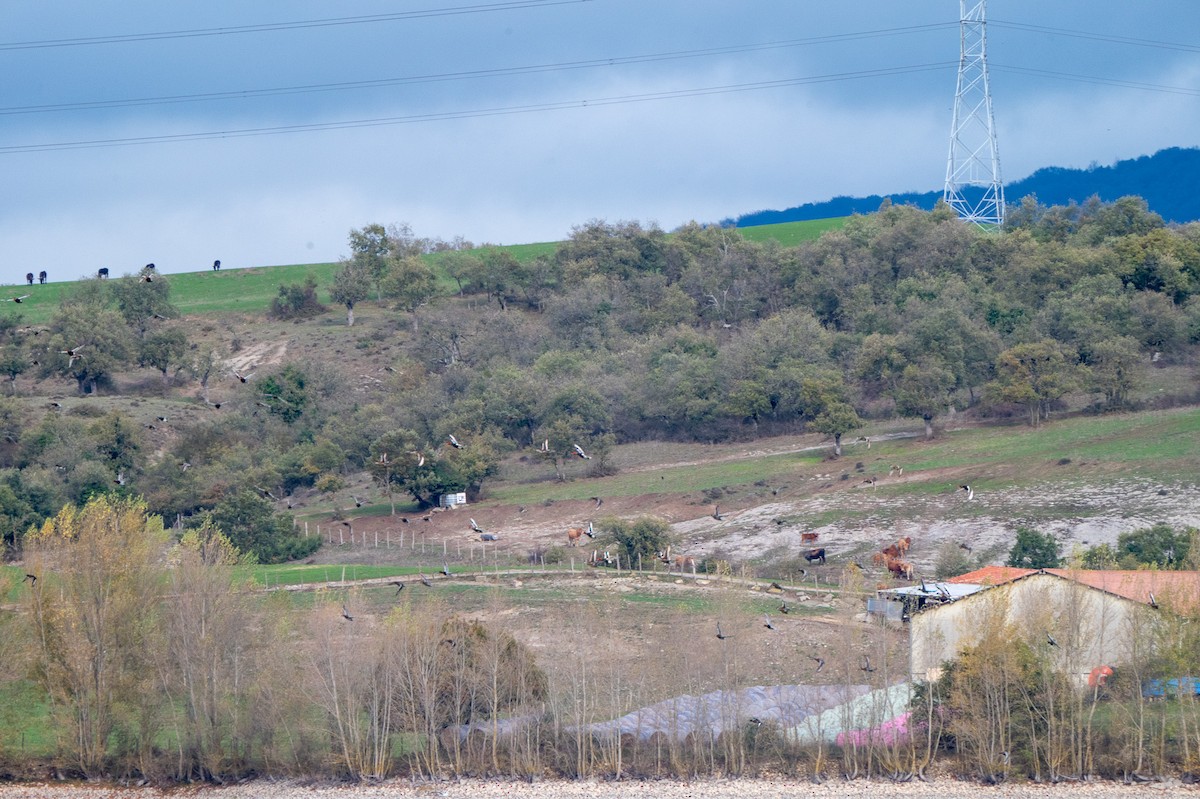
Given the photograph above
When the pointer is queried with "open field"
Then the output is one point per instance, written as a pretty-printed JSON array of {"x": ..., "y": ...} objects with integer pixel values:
[{"x": 251, "y": 289}]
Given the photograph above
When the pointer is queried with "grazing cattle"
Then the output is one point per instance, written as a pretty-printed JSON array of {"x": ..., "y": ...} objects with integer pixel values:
[
  {"x": 29, "y": 278},
  {"x": 900, "y": 568},
  {"x": 904, "y": 544},
  {"x": 681, "y": 562},
  {"x": 891, "y": 551},
  {"x": 573, "y": 536},
  {"x": 813, "y": 555},
  {"x": 216, "y": 266},
  {"x": 103, "y": 272},
  {"x": 42, "y": 277},
  {"x": 808, "y": 538},
  {"x": 880, "y": 559}
]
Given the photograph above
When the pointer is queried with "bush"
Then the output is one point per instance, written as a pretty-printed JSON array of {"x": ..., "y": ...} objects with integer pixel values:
[{"x": 297, "y": 301}]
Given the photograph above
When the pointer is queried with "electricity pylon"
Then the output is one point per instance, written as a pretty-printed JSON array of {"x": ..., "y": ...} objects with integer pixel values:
[{"x": 973, "y": 187}]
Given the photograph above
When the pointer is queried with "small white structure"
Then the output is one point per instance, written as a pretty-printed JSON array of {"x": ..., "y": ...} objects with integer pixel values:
[{"x": 453, "y": 500}]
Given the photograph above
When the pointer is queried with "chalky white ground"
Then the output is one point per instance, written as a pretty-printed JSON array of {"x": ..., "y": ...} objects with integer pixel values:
[{"x": 663, "y": 789}]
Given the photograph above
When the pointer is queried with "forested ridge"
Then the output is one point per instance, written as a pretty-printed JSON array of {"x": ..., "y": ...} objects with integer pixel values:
[{"x": 622, "y": 333}]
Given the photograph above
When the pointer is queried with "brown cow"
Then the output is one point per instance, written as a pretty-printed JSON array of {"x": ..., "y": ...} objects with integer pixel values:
[
  {"x": 682, "y": 562},
  {"x": 900, "y": 568},
  {"x": 904, "y": 544},
  {"x": 891, "y": 551},
  {"x": 573, "y": 536},
  {"x": 808, "y": 538}
]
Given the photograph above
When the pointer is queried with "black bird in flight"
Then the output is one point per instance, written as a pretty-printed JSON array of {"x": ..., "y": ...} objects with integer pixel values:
[
  {"x": 346, "y": 613},
  {"x": 31, "y": 579},
  {"x": 720, "y": 634},
  {"x": 819, "y": 661},
  {"x": 866, "y": 665},
  {"x": 399, "y": 586}
]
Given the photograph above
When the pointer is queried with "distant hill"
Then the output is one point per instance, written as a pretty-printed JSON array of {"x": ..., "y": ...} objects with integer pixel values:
[{"x": 1166, "y": 180}]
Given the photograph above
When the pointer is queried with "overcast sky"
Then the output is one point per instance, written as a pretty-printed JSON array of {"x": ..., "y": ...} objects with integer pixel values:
[{"x": 511, "y": 121}]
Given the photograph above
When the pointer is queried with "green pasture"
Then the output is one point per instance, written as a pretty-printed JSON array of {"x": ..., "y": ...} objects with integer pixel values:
[
  {"x": 251, "y": 289},
  {"x": 791, "y": 234}
]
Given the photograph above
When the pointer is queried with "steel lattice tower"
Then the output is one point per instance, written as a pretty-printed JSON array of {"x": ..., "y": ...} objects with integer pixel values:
[{"x": 973, "y": 187}]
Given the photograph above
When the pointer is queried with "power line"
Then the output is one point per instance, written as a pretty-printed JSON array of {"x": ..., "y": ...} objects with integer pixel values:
[
  {"x": 402, "y": 16},
  {"x": 1095, "y": 79},
  {"x": 471, "y": 74},
  {"x": 1099, "y": 37},
  {"x": 475, "y": 113}
]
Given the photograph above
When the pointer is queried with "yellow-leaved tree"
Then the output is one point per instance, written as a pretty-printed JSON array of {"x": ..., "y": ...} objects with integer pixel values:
[{"x": 96, "y": 627}]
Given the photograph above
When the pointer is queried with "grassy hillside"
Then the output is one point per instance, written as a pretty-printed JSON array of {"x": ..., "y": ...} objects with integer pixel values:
[{"x": 250, "y": 290}]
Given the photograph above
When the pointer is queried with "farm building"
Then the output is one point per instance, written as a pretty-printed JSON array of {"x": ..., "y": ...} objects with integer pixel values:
[{"x": 1089, "y": 619}]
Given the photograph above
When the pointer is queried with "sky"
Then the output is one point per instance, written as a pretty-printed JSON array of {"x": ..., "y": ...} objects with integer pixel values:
[{"x": 263, "y": 133}]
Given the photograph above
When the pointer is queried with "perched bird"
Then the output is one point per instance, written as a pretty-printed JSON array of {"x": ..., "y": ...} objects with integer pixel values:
[
  {"x": 1050, "y": 640},
  {"x": 404, "y": 520},
  {"x": 16, "y": 299},
  {"x": 720, "y": 635},
  {"x": 970, "y": 492},
  {"x": 399, "y": 586},
  {"x": 454, "y": 441},
  {"x": 579, "y": 451},
  {"x": 767, "y": 622},
  {"x": 819, "y": 661},
  {"x": 866, "y": 665},
  {"x": 346, "y": 613},
  {"x": 241, "y": 377},
  {"x": 425, "y": 581}
]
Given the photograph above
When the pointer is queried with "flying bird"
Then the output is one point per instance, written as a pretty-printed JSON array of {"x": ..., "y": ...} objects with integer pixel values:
[
  {"x": 454, "y": 441},
  {"x": 120, "y": 477},
  {"x": 16, "y": 299},
  {"x": 241, "y": 377},
  {"x": 589, "y": 531},
  {"x": 1153, "y": 601},
  {"x": 425, "y": 581},
  {"x": 819, "y": 661},
  {"x": 346, "y": 613},
  {"x": 598, "y": 501},
  {"x": 545, "y": 447},
  {"x": 579, "y": 451},
  {"x": 399, "y": 586},
  {"x": 1050, "y": 640},
  {"x": 358, "y": 503},
  {"x": 476, "y": 527},
  {"x": 31, "y": 579},
  {"x": 720, "y": 634},
  {"x": 866, "y": 665},
  {"x": 784, "y": 609},
  {"x": 146, "y": 279},
  {"x": 898, "y": 471},
  {"x": 446, "y": 569},
  {"x": 970, "y": 492},
  {"x": 870, "y": 482},
  {"x": 767, "y": 622},
  {"x": 716, "y": 514}
]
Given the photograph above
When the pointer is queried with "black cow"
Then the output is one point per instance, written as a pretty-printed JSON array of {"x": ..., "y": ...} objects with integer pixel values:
[
  {"x": 815, "y": 555},
  {"x": 42, "y": 277},
  {"x": 103, "y": 273},
  {"x": 216, "y": 266},
  {"x": 29, "y": 278}
]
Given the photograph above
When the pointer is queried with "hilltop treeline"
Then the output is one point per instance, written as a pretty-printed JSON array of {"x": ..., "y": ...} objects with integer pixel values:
[{"x": 622, "y": 333}]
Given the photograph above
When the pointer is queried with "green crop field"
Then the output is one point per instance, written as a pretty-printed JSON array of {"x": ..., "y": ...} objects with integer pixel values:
[{"x": 790, "y": 234}]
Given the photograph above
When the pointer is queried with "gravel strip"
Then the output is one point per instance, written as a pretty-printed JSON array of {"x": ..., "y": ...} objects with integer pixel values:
[{"x": 658, "y": 789}]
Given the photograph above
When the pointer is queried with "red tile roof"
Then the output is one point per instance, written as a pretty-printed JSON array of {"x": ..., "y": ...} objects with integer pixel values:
[{"x": 1178, "y": 588}]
